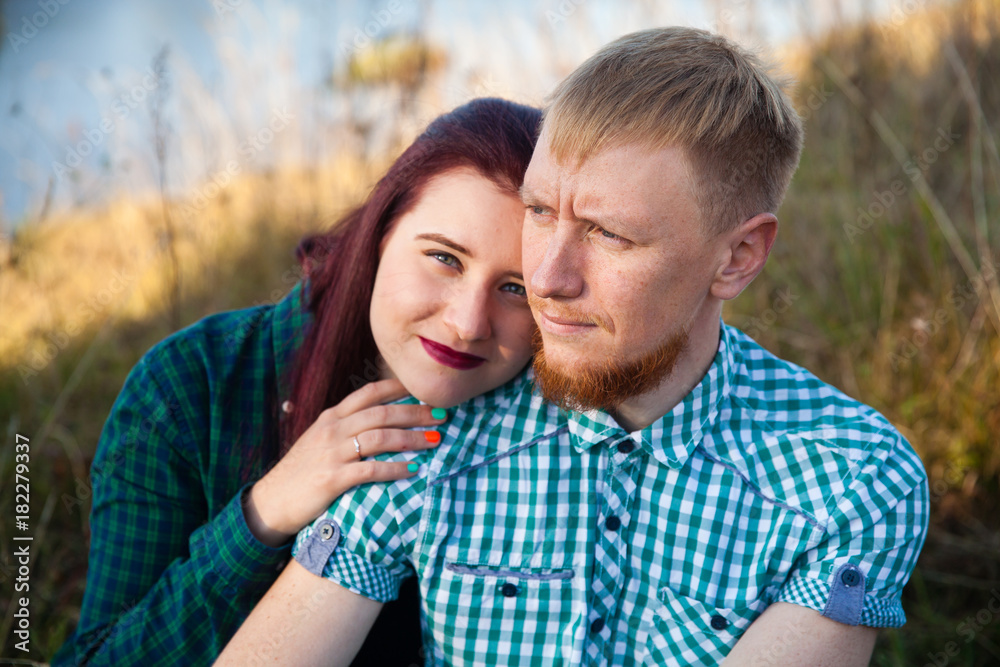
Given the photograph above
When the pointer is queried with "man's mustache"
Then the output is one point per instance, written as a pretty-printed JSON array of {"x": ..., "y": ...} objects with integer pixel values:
[{"x": 552, "y": 309}]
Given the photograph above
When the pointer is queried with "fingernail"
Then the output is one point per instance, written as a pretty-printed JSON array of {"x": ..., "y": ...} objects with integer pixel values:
[
  {"x": 432, "y": 436},
  {"x": 439, "y": 413},
  {"x": 413, "y": 467}
]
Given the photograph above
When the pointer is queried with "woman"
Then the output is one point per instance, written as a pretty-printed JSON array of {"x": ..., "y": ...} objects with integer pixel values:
[{"x": 419, "y": 289}]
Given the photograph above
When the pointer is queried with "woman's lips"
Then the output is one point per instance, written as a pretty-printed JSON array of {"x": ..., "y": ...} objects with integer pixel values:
[{"x": 451, "y": 358}]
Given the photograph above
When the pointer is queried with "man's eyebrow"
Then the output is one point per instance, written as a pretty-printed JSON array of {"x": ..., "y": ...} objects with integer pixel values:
[
  {"x": 444, "y": 240},
  {"x": 526, "y": 194}
]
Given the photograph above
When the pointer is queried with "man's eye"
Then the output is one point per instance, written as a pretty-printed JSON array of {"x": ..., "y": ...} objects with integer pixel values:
[
  {"x": 537, "y": 210},
  {"x": 514, "y": 288},
  {"x": 614, "y": 239}
]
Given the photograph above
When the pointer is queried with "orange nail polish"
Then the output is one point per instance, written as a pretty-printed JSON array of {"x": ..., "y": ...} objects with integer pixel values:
[{"x": 432, "y": 436}]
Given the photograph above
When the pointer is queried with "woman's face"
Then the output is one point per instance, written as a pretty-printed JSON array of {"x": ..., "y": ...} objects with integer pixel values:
[{"x": 449, "y": 312}]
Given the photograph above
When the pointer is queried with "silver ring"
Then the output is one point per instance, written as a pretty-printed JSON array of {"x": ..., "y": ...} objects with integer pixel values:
[{"x": 357, "y": 447}]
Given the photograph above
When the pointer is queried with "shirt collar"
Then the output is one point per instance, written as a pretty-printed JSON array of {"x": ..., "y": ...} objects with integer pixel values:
[
  {"x": 289, "y": 321},
  {"x": 672, "y": 437}
]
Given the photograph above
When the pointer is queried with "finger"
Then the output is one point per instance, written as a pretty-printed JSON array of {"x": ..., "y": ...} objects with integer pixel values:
[
  {"x": 393, "y": 417},
  {"x": 373, "y": 393},
  {"x": 367, "y": 471},
  {"x": 380, "y": 441}
]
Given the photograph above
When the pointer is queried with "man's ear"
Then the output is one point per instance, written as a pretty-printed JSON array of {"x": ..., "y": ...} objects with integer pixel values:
[{"x": 747, "y": 248}]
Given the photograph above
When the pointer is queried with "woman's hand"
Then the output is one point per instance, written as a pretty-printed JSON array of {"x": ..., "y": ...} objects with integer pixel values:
[{"x": 323, "y": 463}]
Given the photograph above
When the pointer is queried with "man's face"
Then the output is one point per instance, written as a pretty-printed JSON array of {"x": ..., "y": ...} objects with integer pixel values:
[{"x": 617, "y": 266}]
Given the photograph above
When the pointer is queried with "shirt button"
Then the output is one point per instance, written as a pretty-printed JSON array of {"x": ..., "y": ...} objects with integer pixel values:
[
  {"x": 626, "y": 447},
  {"x": 326, "y": 531},
  {"x": 509, "y": 590},
  {"x": 719, "y": 622},
  {"x": 850, "y": 577},
  {"x": 613, "y": 523},
  {"x": 597, "y": 625}
]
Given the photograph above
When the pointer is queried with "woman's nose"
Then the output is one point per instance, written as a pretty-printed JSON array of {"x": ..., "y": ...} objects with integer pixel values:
[{"x": 467, "y": 312}]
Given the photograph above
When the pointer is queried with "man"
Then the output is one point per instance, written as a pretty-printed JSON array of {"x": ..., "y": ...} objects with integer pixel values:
[{"x": 696, "y": 499}]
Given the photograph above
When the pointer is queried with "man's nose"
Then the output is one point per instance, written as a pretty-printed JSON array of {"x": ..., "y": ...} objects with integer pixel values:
[
  {"x": 468, "y": 312},
  {"x": 558, "y": 274}
]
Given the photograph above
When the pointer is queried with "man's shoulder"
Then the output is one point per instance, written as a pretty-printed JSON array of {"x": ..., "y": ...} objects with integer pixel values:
[
  {"x": 497, "y": 424},
  {"x": 783, "y": 397},
  {"x": 800, "y": 440}
]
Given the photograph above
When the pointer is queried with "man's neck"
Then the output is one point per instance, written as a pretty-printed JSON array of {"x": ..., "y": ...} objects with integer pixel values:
[{"x": 639, "y": 412}]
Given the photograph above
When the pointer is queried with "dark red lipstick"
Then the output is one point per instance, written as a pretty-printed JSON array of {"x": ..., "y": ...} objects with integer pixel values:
[{"x": 451, "y": 358}]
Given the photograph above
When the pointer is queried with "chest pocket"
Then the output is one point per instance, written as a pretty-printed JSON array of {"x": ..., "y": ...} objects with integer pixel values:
[
  {"x": 686, "y": 631},
  {"x": 488, "y": 614},
  {"x": 503, "y": 583}
]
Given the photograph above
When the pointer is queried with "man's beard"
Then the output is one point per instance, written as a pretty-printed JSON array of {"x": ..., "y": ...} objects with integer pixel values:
[{"x": 607, "y": 383}]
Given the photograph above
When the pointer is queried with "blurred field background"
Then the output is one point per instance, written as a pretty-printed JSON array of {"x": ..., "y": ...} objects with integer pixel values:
[{"x": 884, "y": 279}]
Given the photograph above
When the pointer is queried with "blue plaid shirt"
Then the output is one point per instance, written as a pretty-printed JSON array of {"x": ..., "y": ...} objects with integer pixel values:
[{"x": 550, "y": 537}]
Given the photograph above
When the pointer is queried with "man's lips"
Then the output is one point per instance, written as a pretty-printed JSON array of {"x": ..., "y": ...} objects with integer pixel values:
[
  {"x": 451, "y": 358},
  {"x": 563, "y": 326}
]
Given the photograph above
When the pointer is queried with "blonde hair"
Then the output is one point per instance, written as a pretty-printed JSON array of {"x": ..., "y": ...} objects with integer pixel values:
[{"x": 690, "y": 89}]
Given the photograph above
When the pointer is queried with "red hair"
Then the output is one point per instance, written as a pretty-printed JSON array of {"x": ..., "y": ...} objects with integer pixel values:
[{"x": 493, "y": 136}]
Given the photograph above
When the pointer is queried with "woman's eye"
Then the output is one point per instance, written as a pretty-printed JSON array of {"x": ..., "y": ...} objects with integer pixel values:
[
  {"x": 444, "y": 258},
  {"x": 515, "y": 289}
]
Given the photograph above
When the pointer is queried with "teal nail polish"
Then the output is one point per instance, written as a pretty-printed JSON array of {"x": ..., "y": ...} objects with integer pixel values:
[
  {"x": 439, "y": 413},
  {"x": 413, "y": 467}
]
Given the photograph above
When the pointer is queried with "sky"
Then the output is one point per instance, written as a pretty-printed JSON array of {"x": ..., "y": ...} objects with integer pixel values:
[{"x": 78, "y": 90}]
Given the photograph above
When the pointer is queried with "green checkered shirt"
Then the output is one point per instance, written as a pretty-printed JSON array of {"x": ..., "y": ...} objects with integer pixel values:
[
  {"x": 546, "y": 537},
  {"x": 173, "y": 568}
]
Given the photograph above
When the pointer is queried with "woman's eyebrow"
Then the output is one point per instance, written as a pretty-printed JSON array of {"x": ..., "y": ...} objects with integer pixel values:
[{"x": 444, "y": 240}]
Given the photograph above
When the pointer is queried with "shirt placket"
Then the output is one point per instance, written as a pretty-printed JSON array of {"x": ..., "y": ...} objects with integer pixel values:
[{"x": 607, "y": 641}]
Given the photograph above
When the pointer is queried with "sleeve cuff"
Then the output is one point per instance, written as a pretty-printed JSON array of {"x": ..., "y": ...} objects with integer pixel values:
[
  {"x": 321, "y": 550},
  {"x": 876, "y": 612},
  {"x": 240, "y": 561}
]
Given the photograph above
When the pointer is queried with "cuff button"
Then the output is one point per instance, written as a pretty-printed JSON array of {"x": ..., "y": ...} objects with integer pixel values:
[{"x": 850, "y": 577}]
